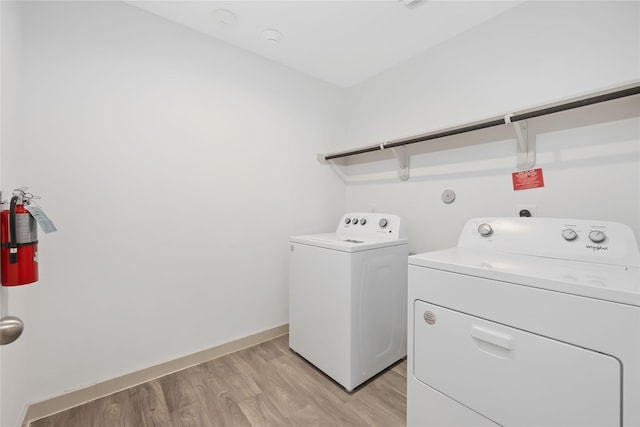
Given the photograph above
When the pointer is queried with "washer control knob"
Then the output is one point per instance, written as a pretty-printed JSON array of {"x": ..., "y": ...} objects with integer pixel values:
[
  {"x": 355, "y": 221},
  {"x": 569, "y": 234},
  {"x": 363, "y": 221},
  {"x": 383, "y": 222},
  {"x": 597, "y": 236},
  {"x": 485, "y": 230},
  {"x": 347, "y": 221}
]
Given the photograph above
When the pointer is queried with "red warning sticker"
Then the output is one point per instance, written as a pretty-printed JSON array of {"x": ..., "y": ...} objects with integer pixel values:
[{"x": 524, "y": 180}]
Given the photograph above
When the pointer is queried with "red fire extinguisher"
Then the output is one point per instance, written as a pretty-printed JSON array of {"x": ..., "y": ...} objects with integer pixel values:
[{"x": 19, "y": 237}]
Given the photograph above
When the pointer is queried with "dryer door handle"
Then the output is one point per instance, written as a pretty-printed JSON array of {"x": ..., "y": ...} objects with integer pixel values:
[{"x": 496, "y": 338}]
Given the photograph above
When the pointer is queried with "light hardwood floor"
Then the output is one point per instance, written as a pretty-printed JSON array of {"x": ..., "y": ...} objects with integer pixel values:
[{"x": 264, "y": 385}]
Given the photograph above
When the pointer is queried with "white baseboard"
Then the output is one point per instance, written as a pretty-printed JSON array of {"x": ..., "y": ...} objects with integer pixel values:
[{"x": 69, "y": 400}]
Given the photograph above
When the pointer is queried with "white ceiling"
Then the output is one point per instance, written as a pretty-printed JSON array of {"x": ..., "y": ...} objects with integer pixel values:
[{"x": 341, "y": 42}]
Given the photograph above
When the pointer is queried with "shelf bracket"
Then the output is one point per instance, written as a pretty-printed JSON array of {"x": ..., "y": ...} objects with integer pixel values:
[
  {"x": 526, "y": 148},
  {"x": 403, "y": 162}
]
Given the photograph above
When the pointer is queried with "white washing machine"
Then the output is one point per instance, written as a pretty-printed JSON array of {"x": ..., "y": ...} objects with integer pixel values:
[
  {"x": 527, "y": 322},
  {"x": 347, "y": 297}
]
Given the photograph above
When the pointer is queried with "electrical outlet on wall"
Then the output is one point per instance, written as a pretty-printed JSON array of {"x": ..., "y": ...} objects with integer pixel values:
[{"x": 532, "y": 209}]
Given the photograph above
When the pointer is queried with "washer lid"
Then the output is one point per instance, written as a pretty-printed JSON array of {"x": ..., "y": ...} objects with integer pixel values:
[
  {"x": 601, "y": 281},
  {"x": 345, "y": 243}
]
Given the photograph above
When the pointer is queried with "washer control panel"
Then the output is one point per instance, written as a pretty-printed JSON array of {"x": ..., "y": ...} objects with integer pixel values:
[
  {"x": 379, "y": 225},
  {"x": 571, "y": 239}
]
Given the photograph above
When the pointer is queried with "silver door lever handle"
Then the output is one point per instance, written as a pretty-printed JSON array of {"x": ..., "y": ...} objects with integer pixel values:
[{"x": 10, "y": 329}]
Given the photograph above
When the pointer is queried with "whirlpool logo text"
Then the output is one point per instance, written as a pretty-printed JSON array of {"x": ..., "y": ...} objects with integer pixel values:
[{"x": 597, "y": 247}]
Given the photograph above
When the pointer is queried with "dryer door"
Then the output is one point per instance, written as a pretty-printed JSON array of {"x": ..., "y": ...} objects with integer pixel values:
[{"x": 513, "y": 377}]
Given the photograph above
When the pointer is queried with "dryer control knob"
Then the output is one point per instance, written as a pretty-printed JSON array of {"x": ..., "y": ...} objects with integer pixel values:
[
  {"x": 569, "y": 234},
  {"x": 363, "y": 221},
  {"x": 347, "y": 221},
  {"x": 355, "y": 221},
  {"x": 383, "y": 222},
  {"x": 485, "y": 230},
  {"x": 597, "y": 236}
]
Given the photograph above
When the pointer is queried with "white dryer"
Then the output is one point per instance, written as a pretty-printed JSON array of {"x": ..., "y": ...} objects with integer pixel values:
[
  {"x": 527, "y": 322},
  {"x": 347, "y": 297}
]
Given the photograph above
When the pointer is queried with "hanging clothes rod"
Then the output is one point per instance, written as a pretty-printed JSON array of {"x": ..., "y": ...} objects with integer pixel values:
[{"x": 509, "y": 118}]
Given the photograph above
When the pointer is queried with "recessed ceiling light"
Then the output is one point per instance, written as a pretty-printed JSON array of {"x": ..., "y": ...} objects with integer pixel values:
[
  {"x": 272, "y": 37},
  {"x": 225, "y": 18}
]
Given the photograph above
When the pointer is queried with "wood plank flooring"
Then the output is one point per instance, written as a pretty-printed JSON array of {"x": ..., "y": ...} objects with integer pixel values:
[{"x": 265, "y": 385}]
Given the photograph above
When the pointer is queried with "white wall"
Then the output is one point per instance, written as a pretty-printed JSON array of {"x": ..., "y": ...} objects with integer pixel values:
[
  {"x": 13, "y": 301},
  {"x": 175, "y": 168},
  {"x": 535, "y": 53}
]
